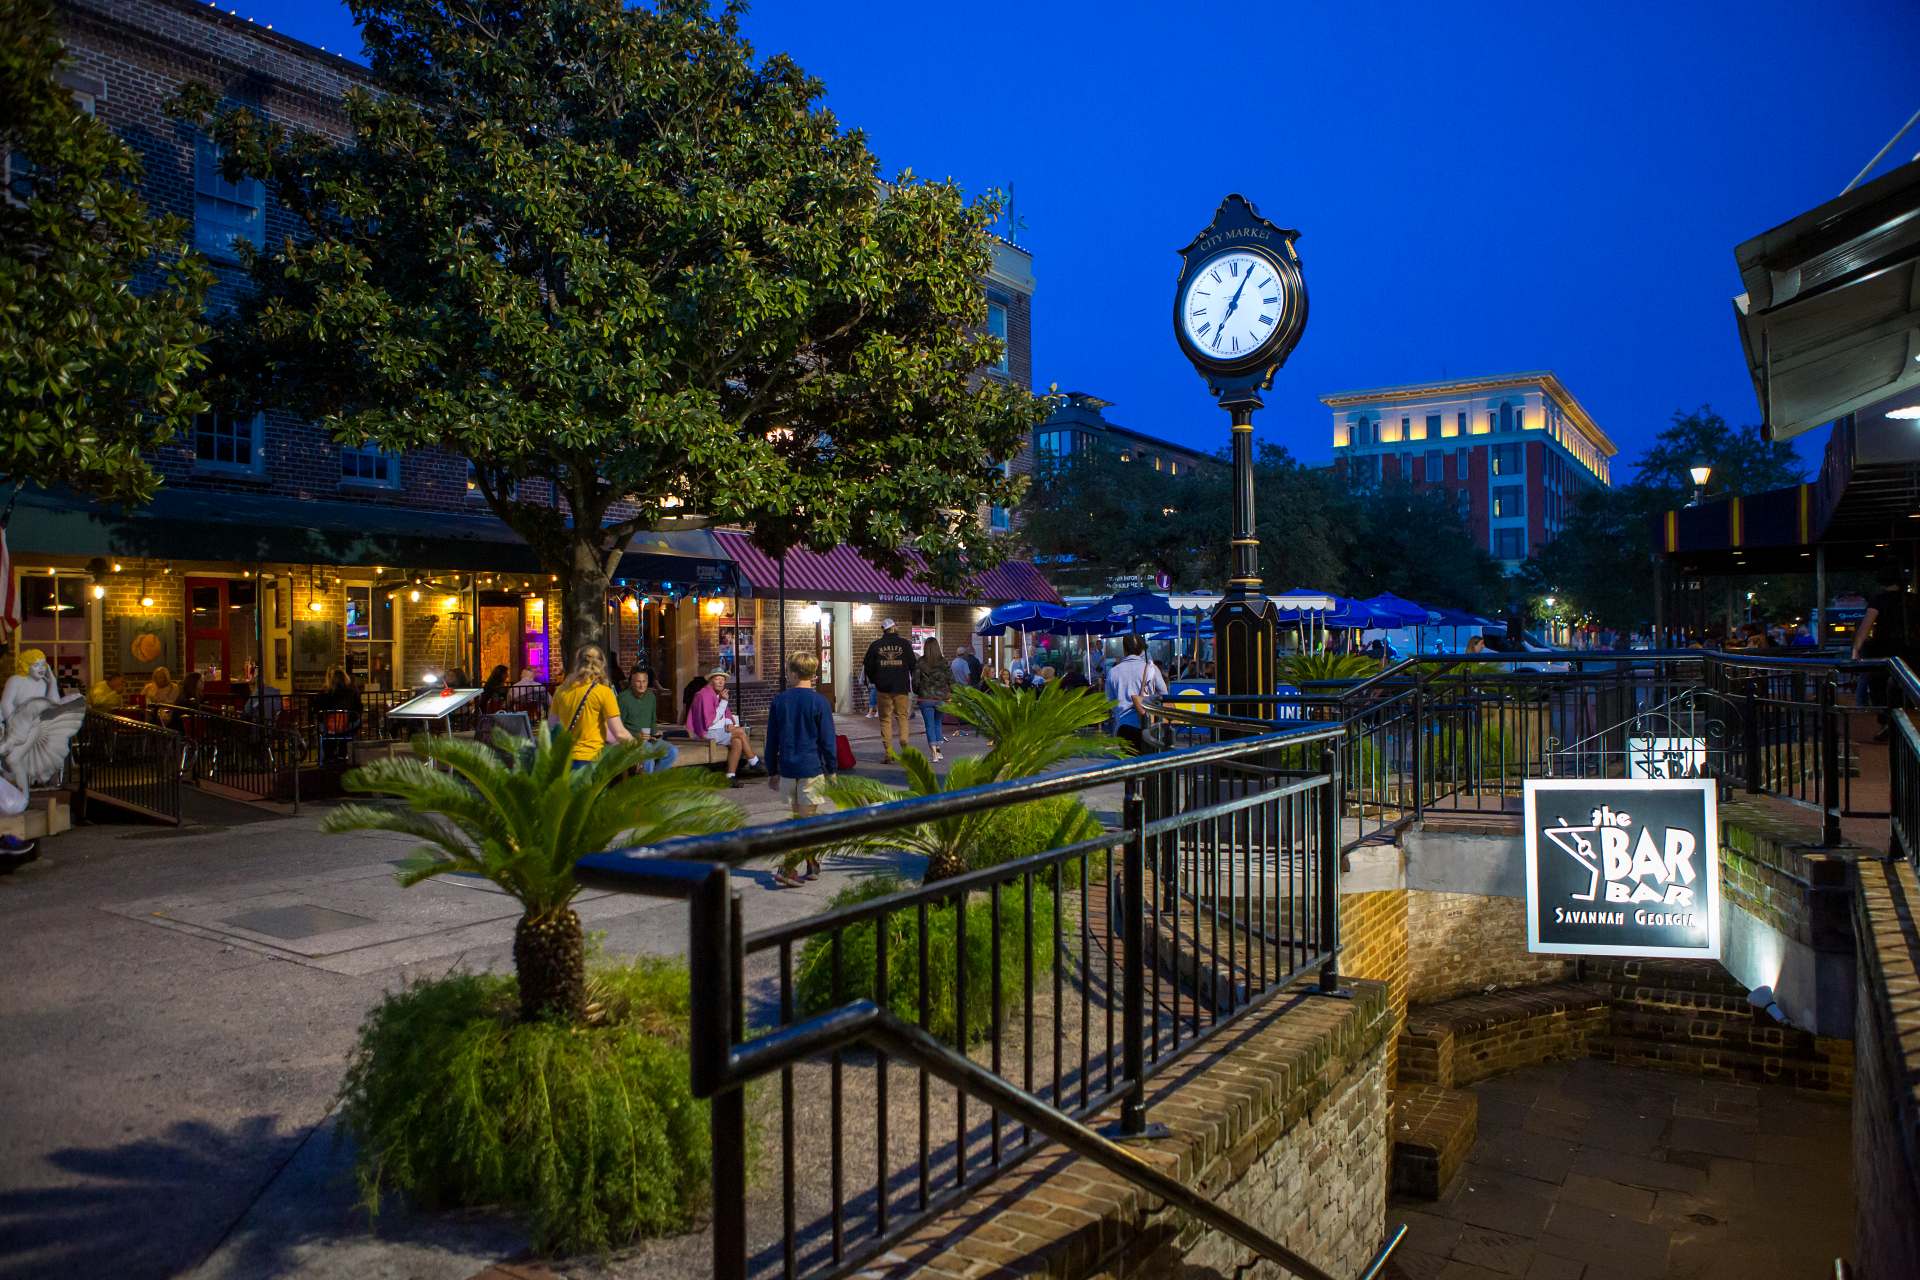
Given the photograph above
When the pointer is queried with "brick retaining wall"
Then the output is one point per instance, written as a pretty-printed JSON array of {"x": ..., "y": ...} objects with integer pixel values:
[{"x": 1886, "y": 1094}]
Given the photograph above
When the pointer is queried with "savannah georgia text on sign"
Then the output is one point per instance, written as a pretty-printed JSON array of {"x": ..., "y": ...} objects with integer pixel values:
[{"x": 1623, "y": 867}]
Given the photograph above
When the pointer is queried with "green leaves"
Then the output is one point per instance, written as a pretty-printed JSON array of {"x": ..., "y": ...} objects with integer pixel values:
[
  {"x": 608, "y": 250},
  {"x": 92, "y": 369},
  {"x": 520, "y": 815}
]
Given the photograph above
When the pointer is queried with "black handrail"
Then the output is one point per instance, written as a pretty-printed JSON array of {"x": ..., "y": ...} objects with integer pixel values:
[{"x": 862, "y": 1020}]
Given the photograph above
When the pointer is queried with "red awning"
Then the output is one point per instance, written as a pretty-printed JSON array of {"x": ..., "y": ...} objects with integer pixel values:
[{"x": 845, "y": 574}]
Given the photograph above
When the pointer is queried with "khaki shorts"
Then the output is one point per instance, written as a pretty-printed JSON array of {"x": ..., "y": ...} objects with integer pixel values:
[{"x": 806, "y": 795}]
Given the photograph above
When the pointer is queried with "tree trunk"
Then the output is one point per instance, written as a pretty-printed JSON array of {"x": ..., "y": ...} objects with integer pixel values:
[
  {"x": 583, "y": 595},
  {"x": 944, "y": 867},
  {"x": 550, "y": 961}
]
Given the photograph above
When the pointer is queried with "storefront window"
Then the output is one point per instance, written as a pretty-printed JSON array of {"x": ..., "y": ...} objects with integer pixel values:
[
  {"x": 739, "y": 639},
  {"x": 54, "y": 618},
  {"x": 533, "y": 621},
  {"x": 369, "y": 636}
]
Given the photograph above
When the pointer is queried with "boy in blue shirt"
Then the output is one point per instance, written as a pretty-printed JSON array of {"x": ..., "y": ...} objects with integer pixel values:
[{"x": 800, "y": 751}]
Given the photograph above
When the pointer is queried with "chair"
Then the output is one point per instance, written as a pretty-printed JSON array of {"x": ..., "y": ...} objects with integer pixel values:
[{"x": 336, "y": 735}]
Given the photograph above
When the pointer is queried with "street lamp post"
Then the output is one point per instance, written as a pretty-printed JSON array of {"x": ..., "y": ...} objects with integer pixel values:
[{"x": 1701, "y": 473}]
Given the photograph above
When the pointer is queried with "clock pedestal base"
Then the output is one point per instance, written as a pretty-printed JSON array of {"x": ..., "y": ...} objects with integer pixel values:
[{"x": 1244, "y": 635}]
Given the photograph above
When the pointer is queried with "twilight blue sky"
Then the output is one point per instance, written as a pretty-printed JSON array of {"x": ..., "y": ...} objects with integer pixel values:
[{"x": 1480, "y": 188}]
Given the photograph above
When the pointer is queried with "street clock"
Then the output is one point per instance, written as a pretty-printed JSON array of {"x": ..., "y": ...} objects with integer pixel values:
[
  {"x": 1241, "y": 303},
  {"x": 1239, "y": 309}
]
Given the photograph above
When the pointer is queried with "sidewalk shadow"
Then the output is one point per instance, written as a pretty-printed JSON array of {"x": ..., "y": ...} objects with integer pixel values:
[{"x": 154, "y": 1207}]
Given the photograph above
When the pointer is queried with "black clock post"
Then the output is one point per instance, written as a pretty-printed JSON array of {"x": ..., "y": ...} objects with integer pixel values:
[{"x": 1238, "y": 311}]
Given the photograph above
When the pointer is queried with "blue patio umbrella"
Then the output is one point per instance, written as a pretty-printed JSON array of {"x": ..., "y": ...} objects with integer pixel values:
[
  {"x": 1020, "y": 613},
  {"x": 1139, "y": 605},
  {"x": 1392, "y": 611}
]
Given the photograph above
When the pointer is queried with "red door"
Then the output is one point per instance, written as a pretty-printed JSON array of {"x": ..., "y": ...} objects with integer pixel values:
[{"x": 209, "y": 633}]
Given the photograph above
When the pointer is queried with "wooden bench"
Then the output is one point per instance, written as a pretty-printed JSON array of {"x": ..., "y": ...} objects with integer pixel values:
[
  {"x": 1433, "y": 1131},
  {"x": 1457, "y": 1042}
]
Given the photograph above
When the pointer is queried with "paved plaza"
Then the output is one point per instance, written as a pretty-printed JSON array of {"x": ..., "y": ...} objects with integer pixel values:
[
  {"x": 1591, "y": 1171},
  {"x": 181, "y": 1003}
]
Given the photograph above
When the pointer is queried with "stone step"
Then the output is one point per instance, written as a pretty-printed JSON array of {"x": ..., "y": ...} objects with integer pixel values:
[{"x": 1433, "y": 1131}]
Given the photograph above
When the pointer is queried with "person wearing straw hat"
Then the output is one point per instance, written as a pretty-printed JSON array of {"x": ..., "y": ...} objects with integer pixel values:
[{"x": 712, "y": 717}]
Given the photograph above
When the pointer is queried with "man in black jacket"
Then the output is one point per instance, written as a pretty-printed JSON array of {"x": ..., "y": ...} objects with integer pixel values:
[{"x": 889, "y": 669}]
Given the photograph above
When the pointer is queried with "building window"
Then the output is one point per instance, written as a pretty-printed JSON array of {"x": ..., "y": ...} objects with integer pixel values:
[
  {"x": 1510, "y": 544},
  {"x": 55, "y": 619},
  {"x": 369, "y": 652},
  {"x": 1506, "y": 459},
  {"x": 1360, "y": 435},
  {"x": 1463, "y": 503},
  {"x": 1436, "y": 466},
  {"x": 1173, "y": 468},
  {"x": 1509, "y": 501},
  {"x": 997, "y": 326},
  {"x": 1432, "y": 430},
  {"x": 1406, "y": 430},
  {"x": 228, "y": 442},
  {"x": 1462, "y": 461},
  {"x": 1460, "y": 427},
  {"x": 224, "y": 211},
  {"x": 369, "y": 466},
  {"x": 1506, "y": 416}
]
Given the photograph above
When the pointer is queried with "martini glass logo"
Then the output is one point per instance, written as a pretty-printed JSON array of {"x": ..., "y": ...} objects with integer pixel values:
[{"x": 1621, "y": 868}]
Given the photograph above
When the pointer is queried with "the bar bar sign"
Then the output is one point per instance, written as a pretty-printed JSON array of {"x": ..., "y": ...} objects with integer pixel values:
[{"x": 1623, "y": 867}]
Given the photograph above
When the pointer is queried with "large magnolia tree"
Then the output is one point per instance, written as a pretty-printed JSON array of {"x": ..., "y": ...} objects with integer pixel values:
[
  {"x": 100, "y": 302},
  {"x": 637, "y": 277}
]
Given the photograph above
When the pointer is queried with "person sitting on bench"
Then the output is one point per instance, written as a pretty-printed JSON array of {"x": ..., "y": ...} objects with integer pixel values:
[{"x": 712, "y": 718}]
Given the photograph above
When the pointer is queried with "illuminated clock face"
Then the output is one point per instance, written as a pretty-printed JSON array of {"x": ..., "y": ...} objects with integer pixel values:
[{"x": 1233, "y": 306}]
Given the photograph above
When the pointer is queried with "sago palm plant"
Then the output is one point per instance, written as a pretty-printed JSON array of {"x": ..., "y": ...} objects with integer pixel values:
[
  {"x": 520, "y": 817},
  {"x": 1029, "y": 731},
  {"x": 1306, "y": 668}
]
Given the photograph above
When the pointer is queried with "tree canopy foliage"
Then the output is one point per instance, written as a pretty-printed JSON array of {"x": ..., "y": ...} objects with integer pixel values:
[
  {"x": 614, "y": 259},
  {"x": 100, "y": 301},
  {"x": 1117, "y": 518}
]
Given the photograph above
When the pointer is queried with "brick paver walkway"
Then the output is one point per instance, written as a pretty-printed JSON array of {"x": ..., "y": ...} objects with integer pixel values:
[{"x": 1590, "y": 1171}]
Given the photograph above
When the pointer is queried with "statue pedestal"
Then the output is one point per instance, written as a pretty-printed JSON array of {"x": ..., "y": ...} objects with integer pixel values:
[{"x": 48, "y": 814}]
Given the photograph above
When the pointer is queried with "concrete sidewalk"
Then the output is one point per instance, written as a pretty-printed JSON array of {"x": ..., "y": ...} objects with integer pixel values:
[{"x": 180, "y": 1006}]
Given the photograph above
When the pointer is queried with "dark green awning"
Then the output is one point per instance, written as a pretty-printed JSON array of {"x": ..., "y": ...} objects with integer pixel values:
[{"x": 256, "y": 528}]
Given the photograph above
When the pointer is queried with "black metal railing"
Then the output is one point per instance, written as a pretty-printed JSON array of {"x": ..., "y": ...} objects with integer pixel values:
[
  {"x": 1903, "y": 760},
  {"x": 1465, "y": 732},
  {"x": 1041, "y": 991},
  {"x": 257, "y": 756},
  {"x": 127, "y": 764}
]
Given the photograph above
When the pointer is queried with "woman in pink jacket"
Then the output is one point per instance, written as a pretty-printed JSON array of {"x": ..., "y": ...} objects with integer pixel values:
[{"x": 710, "y": 716}]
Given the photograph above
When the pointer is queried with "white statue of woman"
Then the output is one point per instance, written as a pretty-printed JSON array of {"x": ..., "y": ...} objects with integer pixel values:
[{"x": 36, "y": 726}]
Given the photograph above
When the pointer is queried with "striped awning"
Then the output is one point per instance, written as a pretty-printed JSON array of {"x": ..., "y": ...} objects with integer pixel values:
[{"x": 845, "y": 574}]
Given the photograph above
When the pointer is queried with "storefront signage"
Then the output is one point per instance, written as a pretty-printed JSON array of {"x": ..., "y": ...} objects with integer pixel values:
[
  {"x": 1623, "y": 867},
  {"x": 1666, "y": 757}
]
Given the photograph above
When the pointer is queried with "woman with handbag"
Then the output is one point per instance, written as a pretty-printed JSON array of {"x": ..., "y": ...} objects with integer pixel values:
[{"x": 586, "y": 708}]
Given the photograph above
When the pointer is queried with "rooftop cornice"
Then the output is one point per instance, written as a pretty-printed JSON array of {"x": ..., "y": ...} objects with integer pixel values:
[{"x": 1545, "y": 379}]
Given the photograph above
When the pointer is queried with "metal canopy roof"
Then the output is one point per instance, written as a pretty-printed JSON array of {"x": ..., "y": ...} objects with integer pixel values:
[{"x": 1830, "y": 320}]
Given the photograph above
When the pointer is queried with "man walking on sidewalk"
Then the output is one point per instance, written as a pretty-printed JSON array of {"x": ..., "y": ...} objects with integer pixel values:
[{"x": 889, "y": 670}]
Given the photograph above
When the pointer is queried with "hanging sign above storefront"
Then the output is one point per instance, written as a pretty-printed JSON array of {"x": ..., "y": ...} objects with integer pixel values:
[{"x": 1623, "y": 867}]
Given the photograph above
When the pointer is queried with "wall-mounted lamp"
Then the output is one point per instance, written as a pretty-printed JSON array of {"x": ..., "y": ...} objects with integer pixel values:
[
  {"x": 863, "y": 613},
  {"x": 811, "y": 614},
  {"x": 715, "y": 607},
  {"x": 413, "y": 596},
  {"x": 99, "y": 592}
]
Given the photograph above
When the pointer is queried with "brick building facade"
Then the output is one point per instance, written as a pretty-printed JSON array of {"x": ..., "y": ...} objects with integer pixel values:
[{"x": 272, "y": 543}]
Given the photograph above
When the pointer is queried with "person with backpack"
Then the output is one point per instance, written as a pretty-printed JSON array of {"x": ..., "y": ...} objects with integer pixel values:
[
  {"x": 586, "y": 708},
  {"x": 1129, "y": 682},
  {"x": 802, "y": 753},
  {"x": 889, "y": 670}
]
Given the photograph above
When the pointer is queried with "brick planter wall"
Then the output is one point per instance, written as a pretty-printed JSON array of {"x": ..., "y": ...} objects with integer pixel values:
[{"x": 1886, "y": 1095}]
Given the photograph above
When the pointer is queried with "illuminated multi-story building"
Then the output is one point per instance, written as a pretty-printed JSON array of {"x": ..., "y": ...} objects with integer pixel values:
[{"x": 1513, "y": 451}]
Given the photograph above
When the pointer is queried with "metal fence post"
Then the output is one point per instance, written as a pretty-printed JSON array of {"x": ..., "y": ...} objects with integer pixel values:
[
  {"x": 729, "y": 1120},
  {"x": 1330, "y": 860},
  {"x": 1750, "y": 735},
  {"x": 1419, "y": 745},
  {"x": 1133, "y": 982},
  {"x": 1829, "y": 765}
]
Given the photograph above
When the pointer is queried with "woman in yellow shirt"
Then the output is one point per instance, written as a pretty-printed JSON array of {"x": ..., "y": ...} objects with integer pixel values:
[{"x": 586, "y": 708}]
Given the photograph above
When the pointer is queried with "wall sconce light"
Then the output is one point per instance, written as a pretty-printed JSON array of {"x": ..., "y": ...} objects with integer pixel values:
[
  {"x": 413, "y": 596},
  {"x": 861, "y": 613},
  {"x": 99, "y": 592},
  {"x": 116, "y": 566},
  {"x": 716, "y": 607},
  {"x": 450, "y": 603},
  {"x": 811, "y": 613},
  {"x": 633, "y": 604}
]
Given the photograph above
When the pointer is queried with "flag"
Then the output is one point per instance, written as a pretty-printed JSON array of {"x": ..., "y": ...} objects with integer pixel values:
[{"x": 9, "y": 591}]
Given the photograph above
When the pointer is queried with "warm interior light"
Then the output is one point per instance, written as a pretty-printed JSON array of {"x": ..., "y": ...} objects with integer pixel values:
[
  {"x": 430, "y": 678},
  {"x": 413, "y": 596},
  {"x": 116, "y": 566},
  {"x": 146, "y": 602},
  {"x": 633, "y": 605},
  {"x": 861, "y": 613},
  {"x": 314, "y": 606},
  {"x": 449, "y": 603},
  {"x": 716, "y": 607},
  {"x": 99, "y": 592}
]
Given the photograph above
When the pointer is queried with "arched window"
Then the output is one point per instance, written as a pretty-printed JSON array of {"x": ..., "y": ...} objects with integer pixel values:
[
  {"x": 1506, "y": 415},
  {"x": 1360, "y": 430}
]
